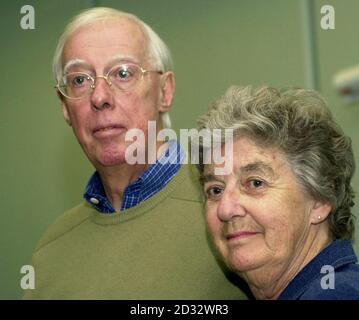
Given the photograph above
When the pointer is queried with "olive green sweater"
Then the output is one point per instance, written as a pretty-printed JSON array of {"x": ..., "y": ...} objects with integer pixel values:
[{"x": 155, "y": 250}]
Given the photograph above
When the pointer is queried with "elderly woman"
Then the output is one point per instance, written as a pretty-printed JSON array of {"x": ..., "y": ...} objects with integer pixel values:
[{"x": 281, "y": 219}]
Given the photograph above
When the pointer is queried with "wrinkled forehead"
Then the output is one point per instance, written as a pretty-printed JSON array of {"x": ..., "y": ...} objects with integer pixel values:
[
  {"x": 249, "y": 157},
  {"x": 104, "y": 39}
]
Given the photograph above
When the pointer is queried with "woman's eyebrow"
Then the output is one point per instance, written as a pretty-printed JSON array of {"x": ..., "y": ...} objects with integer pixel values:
[
  {"x": 207, "y": 178},
  {"x": 250, "y": 168},
  {"x": 257, "y": 166}
]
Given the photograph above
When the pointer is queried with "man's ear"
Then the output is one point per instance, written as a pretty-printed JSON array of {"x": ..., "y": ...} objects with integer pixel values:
[
  {"x": 64, "y": 109},
  {"x": 168, "y": 86},
  {"x": 320, "y": 212}
]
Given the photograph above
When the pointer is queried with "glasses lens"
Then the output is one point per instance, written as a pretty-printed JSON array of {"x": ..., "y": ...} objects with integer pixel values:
[
  {"x": 125, "y": 76},
  {"x": 76, "y": 85}
]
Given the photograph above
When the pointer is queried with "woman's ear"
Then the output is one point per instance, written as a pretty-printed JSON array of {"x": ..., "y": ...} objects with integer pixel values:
[
  {"x": 168, "y": 86},
  {"x": 320, "y": 212},
  {"x": 64, "y": 109}
]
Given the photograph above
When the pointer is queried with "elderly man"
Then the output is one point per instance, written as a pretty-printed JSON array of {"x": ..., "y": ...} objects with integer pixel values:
[{"x": 140, "y": 233}]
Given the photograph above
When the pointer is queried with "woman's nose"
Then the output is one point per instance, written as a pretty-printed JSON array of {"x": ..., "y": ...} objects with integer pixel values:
[{"x": 230, "y": 206}]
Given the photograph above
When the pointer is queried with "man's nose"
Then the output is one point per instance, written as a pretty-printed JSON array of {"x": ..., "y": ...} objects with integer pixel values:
[
  {"x": 102, "y": 94},
  {"x": 230, "y": 206}
]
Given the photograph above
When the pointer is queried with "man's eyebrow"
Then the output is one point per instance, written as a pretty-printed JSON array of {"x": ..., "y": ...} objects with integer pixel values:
[
  {"x": 74, "y": 63},
  {"x": 122, "y": 58},
  {"x": 257, "y": 166},
  {"x": 116, "y": 59}
]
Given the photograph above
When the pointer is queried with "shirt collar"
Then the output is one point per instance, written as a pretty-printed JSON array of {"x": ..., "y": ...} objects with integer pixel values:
[
  {"x": 337, "y": 254},
  {"x": 152, "y": 180},
  {"x": 155, "y": 177}
]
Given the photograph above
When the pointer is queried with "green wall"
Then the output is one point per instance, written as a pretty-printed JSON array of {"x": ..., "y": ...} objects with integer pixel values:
[{"x": 214, "y": 44}]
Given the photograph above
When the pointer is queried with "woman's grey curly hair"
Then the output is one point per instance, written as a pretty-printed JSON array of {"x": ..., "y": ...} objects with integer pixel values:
[{"x": 299, "y": 123}]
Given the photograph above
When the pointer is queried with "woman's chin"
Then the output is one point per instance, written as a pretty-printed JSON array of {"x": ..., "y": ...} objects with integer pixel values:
[{"x": 242, "y": 262}]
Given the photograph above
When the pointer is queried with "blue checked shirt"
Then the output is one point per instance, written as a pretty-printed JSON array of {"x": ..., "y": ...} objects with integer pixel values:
[{"x": 150, "y": 182}]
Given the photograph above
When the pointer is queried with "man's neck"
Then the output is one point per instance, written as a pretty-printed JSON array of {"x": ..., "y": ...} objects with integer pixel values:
[{"x": 115, "y": 179}]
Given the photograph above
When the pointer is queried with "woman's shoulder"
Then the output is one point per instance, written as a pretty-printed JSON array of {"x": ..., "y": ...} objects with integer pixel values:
[{"x": 338, "y": 284}]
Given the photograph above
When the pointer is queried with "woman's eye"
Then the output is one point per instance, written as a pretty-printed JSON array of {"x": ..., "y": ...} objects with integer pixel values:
[
  {"x": 214, "y": 192},
  {"x": 255, "y": 184}
]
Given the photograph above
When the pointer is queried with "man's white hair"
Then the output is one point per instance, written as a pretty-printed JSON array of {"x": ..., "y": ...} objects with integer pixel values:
[{"x": 157, "y": 50}]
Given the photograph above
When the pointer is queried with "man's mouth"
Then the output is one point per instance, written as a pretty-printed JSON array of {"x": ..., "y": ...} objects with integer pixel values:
[{"x": 107, "y": 130}]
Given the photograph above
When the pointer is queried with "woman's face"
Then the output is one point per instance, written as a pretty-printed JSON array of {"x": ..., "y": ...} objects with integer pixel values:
[{"x": 258, "y": 215}]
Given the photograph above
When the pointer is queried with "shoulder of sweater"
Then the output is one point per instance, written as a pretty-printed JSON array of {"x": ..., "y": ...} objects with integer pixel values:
[
  {"x": 64, "y": 223},
  {"x": 187, "y": 187}
]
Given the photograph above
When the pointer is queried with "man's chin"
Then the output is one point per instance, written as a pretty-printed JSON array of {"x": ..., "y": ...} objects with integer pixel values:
[{"x": 112, "y": 159}]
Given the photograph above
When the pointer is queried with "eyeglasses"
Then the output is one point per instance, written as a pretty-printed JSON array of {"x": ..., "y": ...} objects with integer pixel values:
[{"x": 77, "y": 85}]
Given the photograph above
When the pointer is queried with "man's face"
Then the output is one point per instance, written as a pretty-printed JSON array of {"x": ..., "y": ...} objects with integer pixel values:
[
  {"x": 100, "y": 121},
  {"x": 258, "y": 215}
]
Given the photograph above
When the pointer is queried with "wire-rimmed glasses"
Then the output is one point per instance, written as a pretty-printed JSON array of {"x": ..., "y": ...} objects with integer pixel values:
[{"x": 77, "y": 85}]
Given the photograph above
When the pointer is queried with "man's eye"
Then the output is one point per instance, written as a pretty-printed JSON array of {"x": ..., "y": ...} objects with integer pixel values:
[
  {"x": 124, "y": 74},
  {"x": 214, "y": 192},
  {"x": 78, "y": 81}
]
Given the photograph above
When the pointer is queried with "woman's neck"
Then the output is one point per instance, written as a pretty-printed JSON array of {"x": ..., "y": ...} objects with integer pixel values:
[{"x": 269, "y": 281}]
